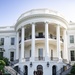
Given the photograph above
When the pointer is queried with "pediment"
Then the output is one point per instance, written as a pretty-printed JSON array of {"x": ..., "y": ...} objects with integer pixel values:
[
  {"x": 71, "y": 47},
  {"x": 12, "y": 49}
]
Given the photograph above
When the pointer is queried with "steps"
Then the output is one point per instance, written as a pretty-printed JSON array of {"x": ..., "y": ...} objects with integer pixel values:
[{"x": 11, "y": 70}]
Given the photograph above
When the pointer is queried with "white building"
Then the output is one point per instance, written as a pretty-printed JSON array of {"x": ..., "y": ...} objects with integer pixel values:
[{"x": 41, "y": 39}]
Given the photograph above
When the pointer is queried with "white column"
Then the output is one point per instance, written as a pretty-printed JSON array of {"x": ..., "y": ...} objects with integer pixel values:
[
  {"x": 65, "y": 51},
  {"x": 33, "y": 42},
  {"x": 22, "y": 44},
  {"x": 58, "y": 42},
  {"x": 46, "y": 42},
  {"x": 17, "y": 46}
]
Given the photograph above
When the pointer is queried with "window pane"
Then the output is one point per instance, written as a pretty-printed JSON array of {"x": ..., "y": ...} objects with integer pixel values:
[
  {"x": 1, "y": 54},
  {"x": 11, "y": 56},
  {"x": 71, "y": 39},
  {"x": 1, "y": 41},
  {"x": 12, "y": 41},
  {"x": 40, "y": 52},
  {"x": 72, "y": 56}
]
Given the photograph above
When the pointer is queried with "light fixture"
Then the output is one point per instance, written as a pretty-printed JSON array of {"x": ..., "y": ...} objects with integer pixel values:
[
  {"x": 47, "y": 64},
  {"x": 31, "y": 64}
]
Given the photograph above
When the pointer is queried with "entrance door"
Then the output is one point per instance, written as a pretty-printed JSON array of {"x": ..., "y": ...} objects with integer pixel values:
[
  {"x": 54, "y": 70},
  {"x": 39, "y": 70},
  {"x": 25, "y": 70},
  {"x": 11, "y": 56}
]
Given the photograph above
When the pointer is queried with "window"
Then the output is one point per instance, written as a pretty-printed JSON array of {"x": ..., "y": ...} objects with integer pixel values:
[
  {"x": 11, "y": 56},
  {"x": 1, "y": 54},
  {"x": 72, "y": 56},
  {"x": 71, "y": 39},
  {"x": 40, "y": 52},
  {"x": 12, "y": 41},
  {"x": 40, "y": 35},
  {"x": 61, "y": 54},
  {"x": 30, "y": 53},
  {"x": 51, "y": 54},
  {"x": 2, "y": 41}
]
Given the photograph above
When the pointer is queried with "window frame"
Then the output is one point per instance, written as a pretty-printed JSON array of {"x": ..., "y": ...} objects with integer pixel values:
[
  {"x": 71, "y": 39},
  {"x": 12, "y": 40}
]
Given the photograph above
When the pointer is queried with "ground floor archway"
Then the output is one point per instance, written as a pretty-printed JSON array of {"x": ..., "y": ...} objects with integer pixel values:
[{"x": 54, "y": 70}]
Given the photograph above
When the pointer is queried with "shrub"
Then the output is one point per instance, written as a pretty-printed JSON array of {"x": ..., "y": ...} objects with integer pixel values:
[
  {"x": 2, "y": 64},
  {"x": 5, "y": 60},
  {"x": 73, "y": 69}
]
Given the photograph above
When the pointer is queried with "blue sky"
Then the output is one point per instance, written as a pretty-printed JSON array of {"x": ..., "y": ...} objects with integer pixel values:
[{"x": 10, "y": 10}]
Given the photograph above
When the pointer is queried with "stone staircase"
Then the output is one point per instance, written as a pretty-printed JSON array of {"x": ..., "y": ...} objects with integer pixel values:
[
  {"x": 10, "y": 70},
  {"x": 64, "y": 72}
]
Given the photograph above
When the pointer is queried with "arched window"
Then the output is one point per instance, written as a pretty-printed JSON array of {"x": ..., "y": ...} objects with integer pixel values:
[
  {"x": 39, "y": 70},
  {"x": 54, "y": 70},
  {"x": 25, "y": 70}
]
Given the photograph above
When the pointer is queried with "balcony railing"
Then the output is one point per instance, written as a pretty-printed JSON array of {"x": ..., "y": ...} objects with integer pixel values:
[
  {"x": 54, "y": 58},
  {"x": 65, "y": 60},
  {"x": 27, "y": 59},
  {"x": 40, "y": 36},
  {"x": 50, "y": 36},
  {"x": 39, "y": 58}
]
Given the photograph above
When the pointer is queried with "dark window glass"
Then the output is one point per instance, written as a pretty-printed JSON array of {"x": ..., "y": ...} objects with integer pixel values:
[
  {"x": 12, "y": 41},
  {"x": 2, "y": 41},
  {"x": 11, "y": 56},
  {"x": 72, "y": 56},
  {"x": 71, "y": 39},
  {"x": 30, "y": 53},
  {"x": 1, "y": 54},
  {"x": 40, "y": 52}
]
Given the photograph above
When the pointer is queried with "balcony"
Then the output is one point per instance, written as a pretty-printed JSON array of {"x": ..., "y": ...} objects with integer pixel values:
[
  {"x": 53, "y": 37},
  {"x": 27, "y": 59},
  {"x": 54, "y": 58},
  {"x": 39, "y": 58}
]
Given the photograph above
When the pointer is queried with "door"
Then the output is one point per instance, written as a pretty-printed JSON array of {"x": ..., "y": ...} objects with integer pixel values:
[
  {"x": 54, "y": 70},
  {"x": 11, "y": 56}
]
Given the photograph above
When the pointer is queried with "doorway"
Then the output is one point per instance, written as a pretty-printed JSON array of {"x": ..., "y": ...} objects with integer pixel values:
[{"x": 54, "y": 70}]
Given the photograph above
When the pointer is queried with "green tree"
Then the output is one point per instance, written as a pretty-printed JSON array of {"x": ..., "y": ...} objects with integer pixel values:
[
  {"x": 2, "y": 64},
  {"x": 5, "y": 60}
]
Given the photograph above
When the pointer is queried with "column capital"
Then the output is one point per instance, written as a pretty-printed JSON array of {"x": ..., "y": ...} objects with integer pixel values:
[
  {"x": 33, "y": 23},
  {"x": 46, "y": 22}
]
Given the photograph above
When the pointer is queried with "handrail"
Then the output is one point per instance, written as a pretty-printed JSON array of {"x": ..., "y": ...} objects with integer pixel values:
[
  {"x": 11, "y": 70},
  {"x": 13, "y": 62},
  {"x": 64, "y": 72},
  {"x": 54, "y": 58},
  {"x": 67, "y": 71},
  {"x": 39, "y": 58}
]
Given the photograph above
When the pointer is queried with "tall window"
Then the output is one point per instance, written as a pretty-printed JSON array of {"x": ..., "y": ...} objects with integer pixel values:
[
  {"x": 11, "y": 56},
  {"x": 40, "y": 52},
  {"x": 12, "y": 41},
  {"x": 51, "y": 54},
  {"x": 1, "y": 54},
  {"x": 2, "y": 41},
  {"x": 71, "y": 39},
  {"x": 72, "y": 56},
  {"x": 30, "y": 53}
]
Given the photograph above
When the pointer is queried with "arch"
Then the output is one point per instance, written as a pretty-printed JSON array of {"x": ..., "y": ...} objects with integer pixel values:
[
  {"x": 16, "y": 68},
  {"x": 25, "y": 70},
  {"x": 40, "y": 67},
  {"x": 54, "y": 70},
  {"x": 39, "y": 70}
]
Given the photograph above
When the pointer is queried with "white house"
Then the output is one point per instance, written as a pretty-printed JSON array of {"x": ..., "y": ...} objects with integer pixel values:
[{"x": 41, "y": 39}]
